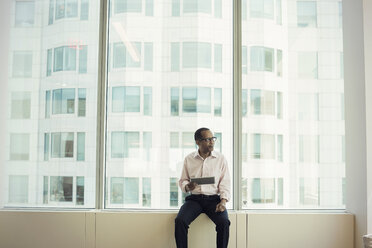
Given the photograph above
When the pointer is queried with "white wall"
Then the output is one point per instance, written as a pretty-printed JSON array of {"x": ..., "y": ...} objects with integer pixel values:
[
  {"x": 4, "y": 51},
  {"x": 358, "y": 113},
  {"x": 367, "y": 17},
  {"x": 156, "y": 230}
]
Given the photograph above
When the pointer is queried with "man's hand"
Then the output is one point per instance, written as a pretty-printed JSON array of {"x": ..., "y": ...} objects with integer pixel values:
[
  {"x": 190, "y": 186},
  {"x": 221, "y": 206}
]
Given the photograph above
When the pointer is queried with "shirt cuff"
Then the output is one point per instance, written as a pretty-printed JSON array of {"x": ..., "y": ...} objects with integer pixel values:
[{"x": 224, "y": 196}]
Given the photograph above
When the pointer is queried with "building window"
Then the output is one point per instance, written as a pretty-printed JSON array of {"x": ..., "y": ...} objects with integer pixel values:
[
  {"x": 62, "y": 145},
  {"x": 306, "y": 14},
  {"x": 188, "y": 140},
  {"x": 279, "y": 105},
  {"x": 175, "y": 101},
  {"x": 19, "y": 146},
  {"x": 127, "y": 6},
  {"x": 127, "y": 55},
  {"x": 196, "y": 55},
  {"x": 80, "y": 147},
  {"x": 63, "y": 101},
  {"x": 126, "y": 99},
  {"x": 262, "y": 146},
  {"x": 217, "y": 101},
  {"x": 279, "y": 12},
  {"x": 262, "y": 102},
  {"x": 218, "y": 143},
  {"x": 124, "y": 144},
  {"x": 175, "y": 56},
  {"x": 80, "y": 191},
  {"x": 64, "y": 59},
  {"x": 84, "y": 10},
  {"x": 131, "y": 190},
  {"x": 83, "y": 59},
  {"x": 309, "y": 191},
  {"x": 47, "y": 104},
  {"x": 176, "y": 5},
  {"x": 244, "y": 60},
  {"x": 244, "y": 102},
  {"x": 279, "y": 63},
  {"x": 173, "y": 192},
  {"x": 61, "y": 189},
  {"x": 49, "y": 62},
  {"x": 66, "y": 8},
  {"x": 18, "y": 189},
  {"x": 340, "y": 14},
  {"x": 197, "y": 6},
  {"x": 146, "y": 192},
  {"x": 20, "y": 105},
  {"x": 196, "y": 100},
  {"x": 308, "y": 148},
  {"x": 280, "y": 148},
  {"x": 263, "y": 190},
  {"x": 46, "y": 146},
  {"x": 148, "y": 61},
  {"x": 218, "y": 8},
  {"x": 24, "y": 13},
  {"x": 82, "y": 99},
  {"x": 174, "y": 140},
  {"x": 262, "y": 9},
  {"x": 307, "y": 65},
  {"x": 147, "y": 101},
  {"x": 45, "y": 190},
  {"x": 147, "y": 145},
  {"x": 117, "y": 190},
  {"x": 262, "y": 59},
  {"x": 22, "y": 64},
  {"x": 217, "y": 57}
]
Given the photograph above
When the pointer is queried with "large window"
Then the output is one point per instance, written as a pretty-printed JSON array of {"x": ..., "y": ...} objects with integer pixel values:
[
  {"x": 167, "y": 70},
  {"x": 24, "y": 13},
  {"x": 51, "y": 111},
  {"x": 22, "y": 64},
  {"x": 292, "y": 115}
]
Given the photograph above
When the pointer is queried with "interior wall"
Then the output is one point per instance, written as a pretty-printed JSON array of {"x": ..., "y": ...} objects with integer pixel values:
[
  {"x": 367, "y": 19},
  {"x": 355, "y": 114},
  {"x": 156, "y": 229}
]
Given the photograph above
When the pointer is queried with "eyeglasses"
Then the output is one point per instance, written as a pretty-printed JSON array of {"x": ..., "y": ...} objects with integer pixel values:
[{"x": 209, "y": 139}]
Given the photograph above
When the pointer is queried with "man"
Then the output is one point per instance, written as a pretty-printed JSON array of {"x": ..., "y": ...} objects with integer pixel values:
[{"x": 207, "y": 198}]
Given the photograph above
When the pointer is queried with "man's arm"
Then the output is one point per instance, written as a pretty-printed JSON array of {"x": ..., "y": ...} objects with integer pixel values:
[
  {"x": 224, "y": 186},
  {"x": 185, "y": 178}
]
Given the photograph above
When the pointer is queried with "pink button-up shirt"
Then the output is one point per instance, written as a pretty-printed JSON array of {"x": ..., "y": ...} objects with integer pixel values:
[{"x": 213, "y": 166}]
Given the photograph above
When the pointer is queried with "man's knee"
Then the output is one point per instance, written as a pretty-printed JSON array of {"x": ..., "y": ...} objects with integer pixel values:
[
  {"x": 223, "y": 223},
  {"x": 179, "y": 221}
]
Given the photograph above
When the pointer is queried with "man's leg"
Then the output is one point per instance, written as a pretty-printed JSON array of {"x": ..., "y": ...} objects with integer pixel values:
[
  {"x": 221, "y": 219},
  {"x": 188, "y": 212}
]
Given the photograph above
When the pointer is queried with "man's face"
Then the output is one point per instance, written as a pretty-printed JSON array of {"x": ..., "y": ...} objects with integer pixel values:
[{"x": 206, "y": 146}]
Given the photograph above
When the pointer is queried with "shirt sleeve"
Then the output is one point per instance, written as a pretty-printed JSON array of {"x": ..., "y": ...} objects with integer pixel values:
[
  {"x": 185, "y": 178},
  {"x": 224, "y": 185}
]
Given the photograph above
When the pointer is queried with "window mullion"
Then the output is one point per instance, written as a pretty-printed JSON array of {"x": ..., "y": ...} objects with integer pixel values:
[{"x": 237, "y": 104}]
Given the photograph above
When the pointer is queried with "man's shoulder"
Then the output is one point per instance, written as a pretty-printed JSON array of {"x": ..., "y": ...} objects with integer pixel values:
[
  {"x": 218, "y": 155},
  {"x": 191, "y": 155}
]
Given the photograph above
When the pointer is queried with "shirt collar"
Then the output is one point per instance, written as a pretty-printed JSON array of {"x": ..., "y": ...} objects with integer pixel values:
[{"x": 213, "y": 154}]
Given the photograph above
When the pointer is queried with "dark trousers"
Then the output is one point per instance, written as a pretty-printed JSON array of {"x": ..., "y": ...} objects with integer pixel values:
[{"x": 195, "y": 205}]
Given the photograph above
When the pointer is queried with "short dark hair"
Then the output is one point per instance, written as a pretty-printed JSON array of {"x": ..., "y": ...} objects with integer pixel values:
[{"x": 198, "y": 135}]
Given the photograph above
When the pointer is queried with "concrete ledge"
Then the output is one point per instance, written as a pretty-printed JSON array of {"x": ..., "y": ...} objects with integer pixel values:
[{"x": 101, "y": 229}]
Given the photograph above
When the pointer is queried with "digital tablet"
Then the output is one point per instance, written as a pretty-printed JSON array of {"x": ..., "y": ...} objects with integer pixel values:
[{"x": 203, "y": 180}]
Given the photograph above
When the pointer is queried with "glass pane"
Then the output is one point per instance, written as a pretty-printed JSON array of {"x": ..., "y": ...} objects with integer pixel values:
[
  {"x": 25, "y": 13},
  {"x": 161, "y": 89},
  {"x": 292, "y": 105},
  {"x": 50, "y": 104}
]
